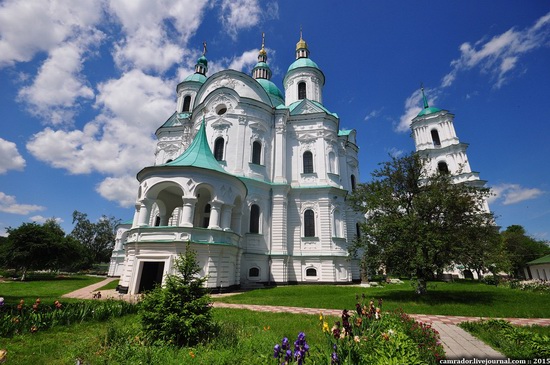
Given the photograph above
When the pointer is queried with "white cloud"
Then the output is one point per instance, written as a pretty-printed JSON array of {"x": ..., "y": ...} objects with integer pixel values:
[
  {"x": 8, "y": 204},
  {"x": 122, "y": 189},
  {"x": 394, "y": 152},
  {"x": 513, "y": 193},
  {"x": 11, "y": 159},
  {"x": 40, "y": 219},
  {"x": 59, "y": 83},
  {"x": 239, "y": 14},
  {"x": 500, "y": 55},
  {"x": 119, "y": 141},
  {"x": 155, "y": 32},
  {"x": 31, "y": 26}
]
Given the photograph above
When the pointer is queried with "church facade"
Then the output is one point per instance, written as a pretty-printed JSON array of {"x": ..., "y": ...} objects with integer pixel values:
[{"x": 254, "y": 179}]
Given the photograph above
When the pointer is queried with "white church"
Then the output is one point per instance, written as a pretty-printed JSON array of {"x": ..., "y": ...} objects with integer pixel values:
[
  {"x": 253, "y": 178},
  {"x": 256, "y": 182}
]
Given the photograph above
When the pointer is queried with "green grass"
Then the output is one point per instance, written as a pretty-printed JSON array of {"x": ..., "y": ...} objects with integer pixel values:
[
  {"x": 47, "y": 288},
  {"x": 110, "y": 286},
  {"x": 464, "y": 298},
  {"x": 249, "y": 339}
]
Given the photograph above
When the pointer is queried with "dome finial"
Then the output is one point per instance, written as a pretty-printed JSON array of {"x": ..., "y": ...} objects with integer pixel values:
[
  {"x": 424, "y": 96},
  {"x": 301, "y": 47},
  {"x": 204, "y": 48}
]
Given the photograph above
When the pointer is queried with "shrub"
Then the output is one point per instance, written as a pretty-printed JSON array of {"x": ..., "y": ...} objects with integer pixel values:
[{"x": 180, "y": 312}]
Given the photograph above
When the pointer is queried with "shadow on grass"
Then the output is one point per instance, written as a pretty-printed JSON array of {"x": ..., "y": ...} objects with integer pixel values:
[{"x": 437, "y": 298}]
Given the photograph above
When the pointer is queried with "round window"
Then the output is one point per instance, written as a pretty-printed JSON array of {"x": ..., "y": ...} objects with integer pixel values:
[{"x": 221, "y": 109}]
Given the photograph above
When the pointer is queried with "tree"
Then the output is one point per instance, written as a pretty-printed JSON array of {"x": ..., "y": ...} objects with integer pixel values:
[
  {"x": 180, "y": 312},
  {"x": 420, "y": 222},
  {"x": 32, "y": 246},
  {"x": 521, "y": 248},
  {"x": 98, "y": 238}
]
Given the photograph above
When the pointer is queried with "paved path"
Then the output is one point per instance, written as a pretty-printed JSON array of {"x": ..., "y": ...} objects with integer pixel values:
[{"x": 457, "y": 343}]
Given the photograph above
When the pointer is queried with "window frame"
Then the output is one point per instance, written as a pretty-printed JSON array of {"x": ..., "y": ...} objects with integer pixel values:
[{"x": 307, "y": 163}]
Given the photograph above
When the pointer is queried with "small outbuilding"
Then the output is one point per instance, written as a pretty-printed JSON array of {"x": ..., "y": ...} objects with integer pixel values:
[{"x": 539, "y": 268}]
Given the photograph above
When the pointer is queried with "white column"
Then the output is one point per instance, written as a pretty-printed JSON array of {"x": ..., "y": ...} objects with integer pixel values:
[
  {"x": 215, "y": 207},
  {"x": 226, "y": 217},
  {"x": 144, "y": 212},
  {"x": 187, "y": 211}
]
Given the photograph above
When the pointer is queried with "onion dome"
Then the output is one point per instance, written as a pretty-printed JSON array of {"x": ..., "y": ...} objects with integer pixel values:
[{"x": 262, "y": 73}]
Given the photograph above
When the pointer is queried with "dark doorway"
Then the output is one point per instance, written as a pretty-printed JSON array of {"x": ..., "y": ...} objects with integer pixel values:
[{"x": 150, "y": 275}]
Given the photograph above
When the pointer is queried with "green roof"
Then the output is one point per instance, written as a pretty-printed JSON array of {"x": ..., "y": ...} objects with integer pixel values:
[
  {"x": 541, "y": 260},
  {"x": 428, "y": 110},
  {"x": 198, "y": 154},
  {"x": 345, "y": 132},
  {"x": 197, "y": 77},
  {"x": 272, "y": 90},
  {"x": 292, "y": 106},
  {"x": 302, "y": 62}
]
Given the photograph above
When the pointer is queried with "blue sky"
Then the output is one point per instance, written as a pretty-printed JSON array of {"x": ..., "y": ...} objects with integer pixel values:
[{"x": 85, "y": 84}]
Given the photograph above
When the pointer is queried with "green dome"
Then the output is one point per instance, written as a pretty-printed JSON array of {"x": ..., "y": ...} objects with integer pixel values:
[
  {"x": 272, "y": 90},
  {"x": 302, "y": 62},
  {"x": 202, "y": 60},
  {"x": 261, "y": 64},
  {"x": 428, "y": 110},
  {"x": 196, "y": 77}
]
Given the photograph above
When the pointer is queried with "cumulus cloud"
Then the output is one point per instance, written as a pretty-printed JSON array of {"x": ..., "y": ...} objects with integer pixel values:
[
  {"x": 509, "y": 194},
  {"x": 11, "y": 159},
  {"x": 500, "y": 55},
  {"x": 8, "y": 204},
  {"x": 155, "y": 32},
  {"x": 31, "y": 26},
  {"x": 118, "y": 140},
  {"x": 59, "y": 82},
  {"x": 122, "y": 189},
  {"x": 242, "y": 14}
]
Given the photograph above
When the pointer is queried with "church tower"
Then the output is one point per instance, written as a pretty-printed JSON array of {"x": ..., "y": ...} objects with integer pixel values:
[{"x": 436, "y": 140}]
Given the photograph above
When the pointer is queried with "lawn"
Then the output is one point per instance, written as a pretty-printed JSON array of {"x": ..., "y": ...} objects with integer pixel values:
[
  {"x": 249, "y": 340},
  {"x": 47, "y": 288},
  {"x": 464, "y": 298}
]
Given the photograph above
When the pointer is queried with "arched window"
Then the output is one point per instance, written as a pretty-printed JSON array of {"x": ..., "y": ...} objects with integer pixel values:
[
  {"x": 308, "y": 162},
  {"x": 254, "y": 219},
  {"x": 435, "y": 138},
  {"x": 311, "y": 272},
  {"x": 186, "y": 103},
  {"x": 253, "y": 272},
  {"x": 331, "y": 162},
  {"x": 309, "y": 223},
  {"x": 353, "y": 184},
  {"x": 256, "y": 153},
  {"x": 218, "y": 148},
  {"x": 442, "y": 167},
  {"x": 302, "y": 90},
  {"x": 157, "y": 221},
  {"x": 206, "y": 217}
]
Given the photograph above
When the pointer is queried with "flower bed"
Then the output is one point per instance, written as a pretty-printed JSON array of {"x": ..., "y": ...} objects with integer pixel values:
[
  {"x": 367, "y": 336},
  {"x": 38, "y": 316}
]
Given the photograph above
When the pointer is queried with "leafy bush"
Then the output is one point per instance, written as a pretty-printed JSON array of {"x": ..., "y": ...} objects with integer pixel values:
[
  {"x": 180, "y": 312},
  {"x": 515, "y": 342},
  {"x": 25, "y": 318}
]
